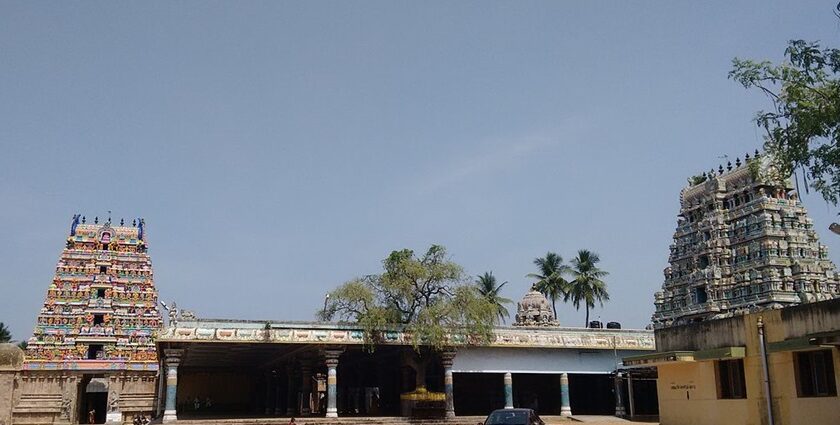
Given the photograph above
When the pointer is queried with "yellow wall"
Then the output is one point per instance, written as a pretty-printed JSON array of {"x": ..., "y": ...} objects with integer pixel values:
[
  {"x": 688, "y": 390},
  {"x": 688, "y": 396}
]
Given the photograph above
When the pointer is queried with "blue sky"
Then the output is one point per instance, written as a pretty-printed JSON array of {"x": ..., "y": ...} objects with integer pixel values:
[{"x": 278, "y": 149}]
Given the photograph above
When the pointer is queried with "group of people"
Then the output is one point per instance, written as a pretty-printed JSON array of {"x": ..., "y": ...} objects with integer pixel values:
[
  {"x": 140, "y": 420},
  {"x": 137, "y": 420}
]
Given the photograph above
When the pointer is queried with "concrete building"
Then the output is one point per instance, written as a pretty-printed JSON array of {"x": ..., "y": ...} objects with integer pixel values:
[{"x": 713, "y": 372}]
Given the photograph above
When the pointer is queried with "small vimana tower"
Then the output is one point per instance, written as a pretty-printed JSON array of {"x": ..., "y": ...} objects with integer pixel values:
[
  {"x": 98, "y": 323},
  {"x": 744, "y": 242}
]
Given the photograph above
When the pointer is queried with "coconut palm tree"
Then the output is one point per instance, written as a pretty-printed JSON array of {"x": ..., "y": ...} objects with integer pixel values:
[
  {"x": 5, "y": 335},
  {"x": 488, "y": 288},
  {"x": 550, "y": 279},
  {"x": 587, "y": 286}
]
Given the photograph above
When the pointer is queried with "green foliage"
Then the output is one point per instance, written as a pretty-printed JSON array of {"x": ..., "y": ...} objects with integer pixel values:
[
  {"x": 550, "y": 281},
  {"x": 588, "y": 286},
  {"x": 424, "y": 296},
  {"x": 5, "y": 334},
  {"x": 489, "y": 289},
  {"x": 22, "y": 345},
  {"x": 802, "y": 131}
]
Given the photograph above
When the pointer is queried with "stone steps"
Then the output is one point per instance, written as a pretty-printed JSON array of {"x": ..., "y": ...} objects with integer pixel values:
[
  {"x": 348, "y": 420},
  {"x": 461, "y": 420}
]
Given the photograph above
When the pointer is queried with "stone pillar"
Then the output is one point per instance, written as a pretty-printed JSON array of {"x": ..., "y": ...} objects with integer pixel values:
[
  {"x": 277, "y": 395},
  {"x": 630, "y": 402},
  {"x": 619, "y": 402},
  {"x": 290, "y": 396},
  {"x": 447, "y": 358},
  {"x": 508, "y": 390},
  {"x": 269, "y": 380},
  {"x": 172, "y": 360},
  {"x": 332, "y": 382},
  {"x": 306, "y": 387},
  {"x": 113, "y": 413},
  {"x": 565, "y": 407}
]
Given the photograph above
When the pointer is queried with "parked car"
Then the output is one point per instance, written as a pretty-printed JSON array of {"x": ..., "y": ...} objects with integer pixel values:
[{"x": 513, "y": 417}]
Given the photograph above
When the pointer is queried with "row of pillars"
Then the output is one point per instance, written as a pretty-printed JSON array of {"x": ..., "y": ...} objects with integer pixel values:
[
  {"x": 565, "y": 407},
  {"x": 173, "y": 360}
]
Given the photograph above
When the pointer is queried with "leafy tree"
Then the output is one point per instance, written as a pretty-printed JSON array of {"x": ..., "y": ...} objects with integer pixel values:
[
  {"x": 550, "y": 279},
  {"x": 22, "y": 345},
  {"x": 802, "y": 131},
  {"x": 425, "y": 296},
  {"x": 587, "y": 287},
  {"x": 489, "y": 289},
  {"x": 5, "y": 334}
]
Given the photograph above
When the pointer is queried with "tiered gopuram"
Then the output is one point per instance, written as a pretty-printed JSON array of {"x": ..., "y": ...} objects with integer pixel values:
[
  {"x": 92, "y": 356},
  {"x": 102, "y": 302},
  {"x": 743, "y": 242}
]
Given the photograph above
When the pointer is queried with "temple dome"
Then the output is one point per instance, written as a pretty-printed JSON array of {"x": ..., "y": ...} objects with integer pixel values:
[
  {"x": 11, "y": 357},
  {"x": 534, "y": 310}
]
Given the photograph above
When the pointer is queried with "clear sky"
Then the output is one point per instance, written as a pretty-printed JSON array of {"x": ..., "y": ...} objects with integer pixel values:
[{"x": 278, "y": 149}]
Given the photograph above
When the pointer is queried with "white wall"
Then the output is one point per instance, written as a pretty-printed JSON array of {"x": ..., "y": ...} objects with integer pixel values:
[{"x": 537, "y": 360}]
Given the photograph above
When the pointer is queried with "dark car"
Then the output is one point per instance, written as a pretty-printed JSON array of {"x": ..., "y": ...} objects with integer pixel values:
[{"x": 513, "y": 417}]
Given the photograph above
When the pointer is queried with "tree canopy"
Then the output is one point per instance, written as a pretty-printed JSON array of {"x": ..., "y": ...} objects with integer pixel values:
[
  {"x": 426, "y": 296},
  {"x": 588, "y": 286},
  {"x": 802, "y": 130},
  {"x": 5, "y": 335},
  {"x": 490, "y": 289},
  {"x": 550, "y": 281}
]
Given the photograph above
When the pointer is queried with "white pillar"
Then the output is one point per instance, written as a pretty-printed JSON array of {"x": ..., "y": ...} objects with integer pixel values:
[{"x": 332, "y": 381}]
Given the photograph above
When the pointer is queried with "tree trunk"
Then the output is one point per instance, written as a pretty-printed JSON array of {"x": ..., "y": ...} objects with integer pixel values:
[
  {"x": 554, "y": 306},
  {"x": 418, "y": 364},
  {"x": 587, "y": 316},
  {"x": 420, "y": 374}
]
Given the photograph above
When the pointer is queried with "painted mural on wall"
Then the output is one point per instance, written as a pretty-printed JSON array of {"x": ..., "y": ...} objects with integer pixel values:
[{"x": 101, "y": 310}]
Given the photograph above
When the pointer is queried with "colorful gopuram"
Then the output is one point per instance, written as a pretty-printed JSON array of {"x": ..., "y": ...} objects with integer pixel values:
[
  {"x": 744, "y": 242},
  {"x": 97, "y": 326},
  {"x": 101, "y": 306}
]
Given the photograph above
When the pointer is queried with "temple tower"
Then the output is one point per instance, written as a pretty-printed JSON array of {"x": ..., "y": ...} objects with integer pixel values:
[
  {"x": 92, "y": 353},
  {"x": 534, "y": 310},
  {"x": 743, "y": 242}
]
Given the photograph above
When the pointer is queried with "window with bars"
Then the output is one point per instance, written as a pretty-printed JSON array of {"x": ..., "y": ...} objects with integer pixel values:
[
  {"x": 815, "y": 374},
  {"x": 730, "y": 379}
]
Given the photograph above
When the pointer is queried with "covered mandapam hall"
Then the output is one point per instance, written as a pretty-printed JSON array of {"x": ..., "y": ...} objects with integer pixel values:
[{"x": 230, "y": 369}]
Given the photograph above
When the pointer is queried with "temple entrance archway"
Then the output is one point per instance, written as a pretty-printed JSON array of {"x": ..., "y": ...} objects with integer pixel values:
[{"x": 93, "y": 399}]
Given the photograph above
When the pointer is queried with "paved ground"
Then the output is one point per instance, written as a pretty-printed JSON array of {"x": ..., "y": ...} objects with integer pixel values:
[{"x": 606, "y": 420}]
